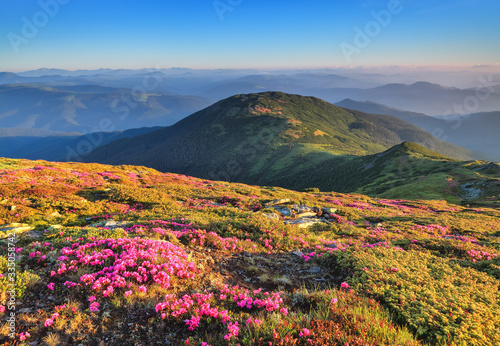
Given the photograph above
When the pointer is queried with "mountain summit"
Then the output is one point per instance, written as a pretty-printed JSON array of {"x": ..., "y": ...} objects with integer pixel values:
[{"x": 256, "y": 137}]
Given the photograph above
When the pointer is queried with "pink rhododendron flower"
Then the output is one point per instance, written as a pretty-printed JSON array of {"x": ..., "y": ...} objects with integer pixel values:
[
  {"x": 51, "y": 286},
  {"x": 142, "y": 289},
  {"x": 305, "y": 332},
  {"x": 2, "y": 309},
  {"x": 334, "y": 301},
  {"x": 344, "y": 285},
  {"x": 94, "y": 307},
  {"x": 48, "y": 322},
  {"x": 23, "y": 336}
]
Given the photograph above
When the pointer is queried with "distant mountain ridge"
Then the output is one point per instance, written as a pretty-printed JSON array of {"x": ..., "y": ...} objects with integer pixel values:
[
  {"x": 83, "y": 108},
  {"x": 36, "y": 144},
  {"x": 333, "y": 85}
]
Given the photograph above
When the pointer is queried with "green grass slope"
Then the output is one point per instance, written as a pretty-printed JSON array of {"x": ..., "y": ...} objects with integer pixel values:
[{"x": 405, "y": 171}]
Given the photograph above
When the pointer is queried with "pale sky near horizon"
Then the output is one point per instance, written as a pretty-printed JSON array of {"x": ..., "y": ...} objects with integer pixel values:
[{"x": 90, "y": 34}]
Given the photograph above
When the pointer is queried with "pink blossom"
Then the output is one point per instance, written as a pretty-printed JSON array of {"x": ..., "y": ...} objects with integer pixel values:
[
  {"x": 344, "y": 285},
  {"x": 94, "y": 307},
  {"x": 142, "y": 289},
  {"x": 23, "y": 336},
  {"x": 49, "y": 322},
  {"x": 305, "y": 332},
  {"x": 2, "y": 309},
  {"x": 127, "y": 293},
  {"x": 51, "y": 286}
]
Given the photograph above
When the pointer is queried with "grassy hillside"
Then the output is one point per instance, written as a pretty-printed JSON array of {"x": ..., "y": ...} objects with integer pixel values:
[
  {"x": 406, "y": 171},
  {"x": 128, "y": 255},
  {"x": 258, "y": 138}
]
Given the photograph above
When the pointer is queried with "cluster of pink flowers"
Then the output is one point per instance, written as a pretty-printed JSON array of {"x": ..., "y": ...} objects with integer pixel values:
[
  {"x": 198, "y": 237},
  {"x": 50, "y": 321},
  {"x": 233, "y": 331},
  {"x": 463, "y": 238},
  {"x": 344, "y": 285},
  {"x": 254, "y": 322},
  {"x": 94, "y": 306},
  {"x": 305, "y": 332},
  {"x": 194, "y": 307},
  {"x": 24, "y": 335},
  {"x": 121, "y": 263},
  {"x": 380, "y": 244},
  {"x": 109, "y": 175},
  {"x": 432, "y": 229},
  {"x": 333, "y": 201},
  {"x": 476, "y": 255},
  {"x": 360, "y": 206},
  {"x": 339, "y": 218}
]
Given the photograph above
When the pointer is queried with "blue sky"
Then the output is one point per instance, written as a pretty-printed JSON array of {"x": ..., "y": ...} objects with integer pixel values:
[{"x": 88, "y": 34}]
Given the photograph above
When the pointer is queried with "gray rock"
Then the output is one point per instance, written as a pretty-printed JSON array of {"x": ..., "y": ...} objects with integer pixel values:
[
  {"x": 277, "y": 202},
  {"x": 303, "y": 223},
  {"x": 332, "y": 246},
  {"x": 301, "y": 208},
  {"x": 116, "y": 224},
  {"x": 307, "y": 214},
  {"x": 329, "y": 210},
  {"x": 314, "y": 270},
  {"x": 32, "y": 235},
  {"x": 284, "y": 211},
  {"x": 53, "y": 215},
  {"x": 273, "y": 216},
  {"x": 297, "y": 253}
]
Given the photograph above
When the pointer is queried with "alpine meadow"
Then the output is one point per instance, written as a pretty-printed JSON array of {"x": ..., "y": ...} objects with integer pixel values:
[{"x": 230, "y": 172}]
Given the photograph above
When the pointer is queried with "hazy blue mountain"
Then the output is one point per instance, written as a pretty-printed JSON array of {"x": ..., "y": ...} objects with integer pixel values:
[
  {"x": 90, "y": 108},
  {"x": 477, "y": 132},
  {"x": 300, "y": 83},
  {"x": 36, "y": 144},
  {"x": 421, "y": 97}
]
